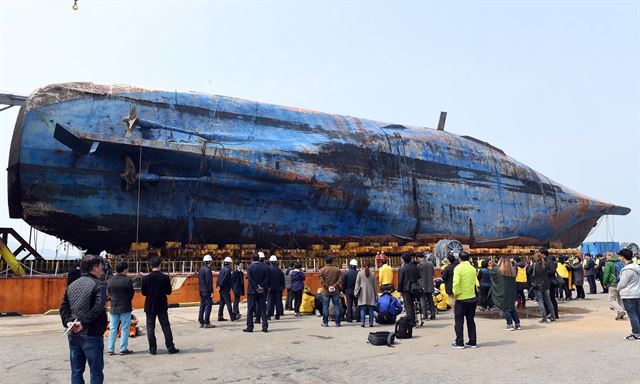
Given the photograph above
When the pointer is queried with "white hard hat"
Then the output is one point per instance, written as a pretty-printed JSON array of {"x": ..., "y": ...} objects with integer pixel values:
[
  {"x": 207, "y": 258},
  {"x": 353, "y": 262},
  {"x": 227, "y": 260},
  {"x": 261, "y": 255},
  {"x": 273, "y": 258}
]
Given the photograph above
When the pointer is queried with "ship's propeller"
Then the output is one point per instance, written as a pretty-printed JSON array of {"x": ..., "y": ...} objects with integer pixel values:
[
  {"x": 129, "y": 172},
  {"x": 131, "y": 121}
]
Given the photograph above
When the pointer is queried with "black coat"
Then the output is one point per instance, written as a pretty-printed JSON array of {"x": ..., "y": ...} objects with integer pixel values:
[
  {"x": 121, "y": 292},
  {"x": 85, "y": 300},
  {"x": 349, "y": 280},
  {"x": 590, "y": 268},
  {"x": 237, "y": 282},
  {"x": 538, "y": 276},
  {"x": 224, "y": 279},
  {"x": 72, "y": 275},
  {"x": 425, "y": 274},
  {"x": 447, "y": 276},
  {"x": 155, "y": 287},
  {"x": 257, "y": 274},
  {"x": 407, "y": 275},
  {"x": 276, "y": 278}
]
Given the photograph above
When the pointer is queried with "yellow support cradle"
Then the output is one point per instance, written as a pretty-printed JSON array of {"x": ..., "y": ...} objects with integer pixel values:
[{"x": 10, "y": 259}]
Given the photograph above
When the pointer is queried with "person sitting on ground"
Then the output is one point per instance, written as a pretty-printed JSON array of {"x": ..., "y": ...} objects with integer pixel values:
[
  {"x": 503, "y": 292},
  {"x": 365, "y": 292},
  {"x": 629, "y": 289},
  {"x": 388, "y": 308},
  {"x": 308, "y": 302}
]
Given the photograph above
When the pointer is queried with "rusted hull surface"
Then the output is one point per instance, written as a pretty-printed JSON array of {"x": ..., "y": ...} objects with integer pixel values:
[{"x": 269, "y": 175}]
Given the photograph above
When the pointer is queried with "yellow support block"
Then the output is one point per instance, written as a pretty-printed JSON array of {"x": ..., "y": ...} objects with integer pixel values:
[{"x": 11, "y": 259}]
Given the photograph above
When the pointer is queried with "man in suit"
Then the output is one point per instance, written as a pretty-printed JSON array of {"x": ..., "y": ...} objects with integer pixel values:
[
  {"x": 425, "y": 279},
  {"x": 258, "y": 276},
  {"x": 348, "y": 287},
  {"x": 237, "y": 286},
  {"x": 224, "y": 288},
  {"x": 121, "y": 293},
  {"x": 276, "y": 286},
  {"x": 407, "y": 277},
  {"x": 155, "y": 287},
  {"x": 205, "y": 286}
]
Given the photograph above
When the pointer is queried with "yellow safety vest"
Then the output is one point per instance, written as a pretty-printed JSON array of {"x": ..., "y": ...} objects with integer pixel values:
[
  {"x": 521, "y": 276},
  {"x": 562, "y": 271}
]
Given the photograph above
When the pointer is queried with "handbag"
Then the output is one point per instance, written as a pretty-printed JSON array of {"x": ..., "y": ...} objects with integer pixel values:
[{"x": 556, "y": 281}]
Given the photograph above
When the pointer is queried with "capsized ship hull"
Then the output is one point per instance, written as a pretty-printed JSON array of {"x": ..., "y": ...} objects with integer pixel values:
[{"x": 97, "y": 165}]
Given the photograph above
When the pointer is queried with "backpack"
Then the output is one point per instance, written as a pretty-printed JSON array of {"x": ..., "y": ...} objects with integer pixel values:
[
  {"x": 404, "y": 328},
  {"x": 385, "y": 318},
  {"x": 619, "y": 265},
  {"x": 382, "y": 338},
  {"x": 416, "y": 290}
]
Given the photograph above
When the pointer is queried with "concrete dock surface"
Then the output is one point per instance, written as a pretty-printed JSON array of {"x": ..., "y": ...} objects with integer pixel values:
[{"x": 585, "y": 346}]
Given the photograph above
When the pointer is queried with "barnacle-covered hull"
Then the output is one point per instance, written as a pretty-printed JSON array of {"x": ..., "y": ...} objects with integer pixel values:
[{"x": 100, "y": 166}]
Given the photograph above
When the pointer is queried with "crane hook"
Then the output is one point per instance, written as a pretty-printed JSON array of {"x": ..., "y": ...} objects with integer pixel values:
[{"x": 75, "y": 5}]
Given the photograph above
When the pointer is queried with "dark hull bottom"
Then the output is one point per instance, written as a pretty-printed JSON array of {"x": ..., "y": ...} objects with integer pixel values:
[{"x": 116, "y": 233}]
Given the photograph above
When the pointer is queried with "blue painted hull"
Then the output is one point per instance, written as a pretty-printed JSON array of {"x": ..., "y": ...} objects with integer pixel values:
[{"x": 212, "y": 169}]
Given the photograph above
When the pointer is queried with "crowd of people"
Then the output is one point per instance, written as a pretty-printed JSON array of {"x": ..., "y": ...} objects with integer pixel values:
[{"x": 353, "y": 296}]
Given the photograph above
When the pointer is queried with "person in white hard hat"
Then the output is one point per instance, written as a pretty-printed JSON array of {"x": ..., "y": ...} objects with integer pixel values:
[
  {"x": 348, "y": 286},
  {"x": 257, "y": 288},
  {"x": 276, "y": 278},
  {"x": 263, "y": 259},
  {"x": 224, "y": 288},
  {"x": 205, "y": 285}
]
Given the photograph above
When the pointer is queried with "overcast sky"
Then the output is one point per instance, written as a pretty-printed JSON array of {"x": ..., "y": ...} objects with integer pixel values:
[{"x": 556, "y": 85}]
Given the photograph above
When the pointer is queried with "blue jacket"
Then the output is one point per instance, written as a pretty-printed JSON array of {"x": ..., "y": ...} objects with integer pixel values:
[
  {"x": 257, "y": 274},
  {"x": 388, "y": 303},
  {"x": 297, "y": 280},
  {"x": 484, "y": 277}
]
